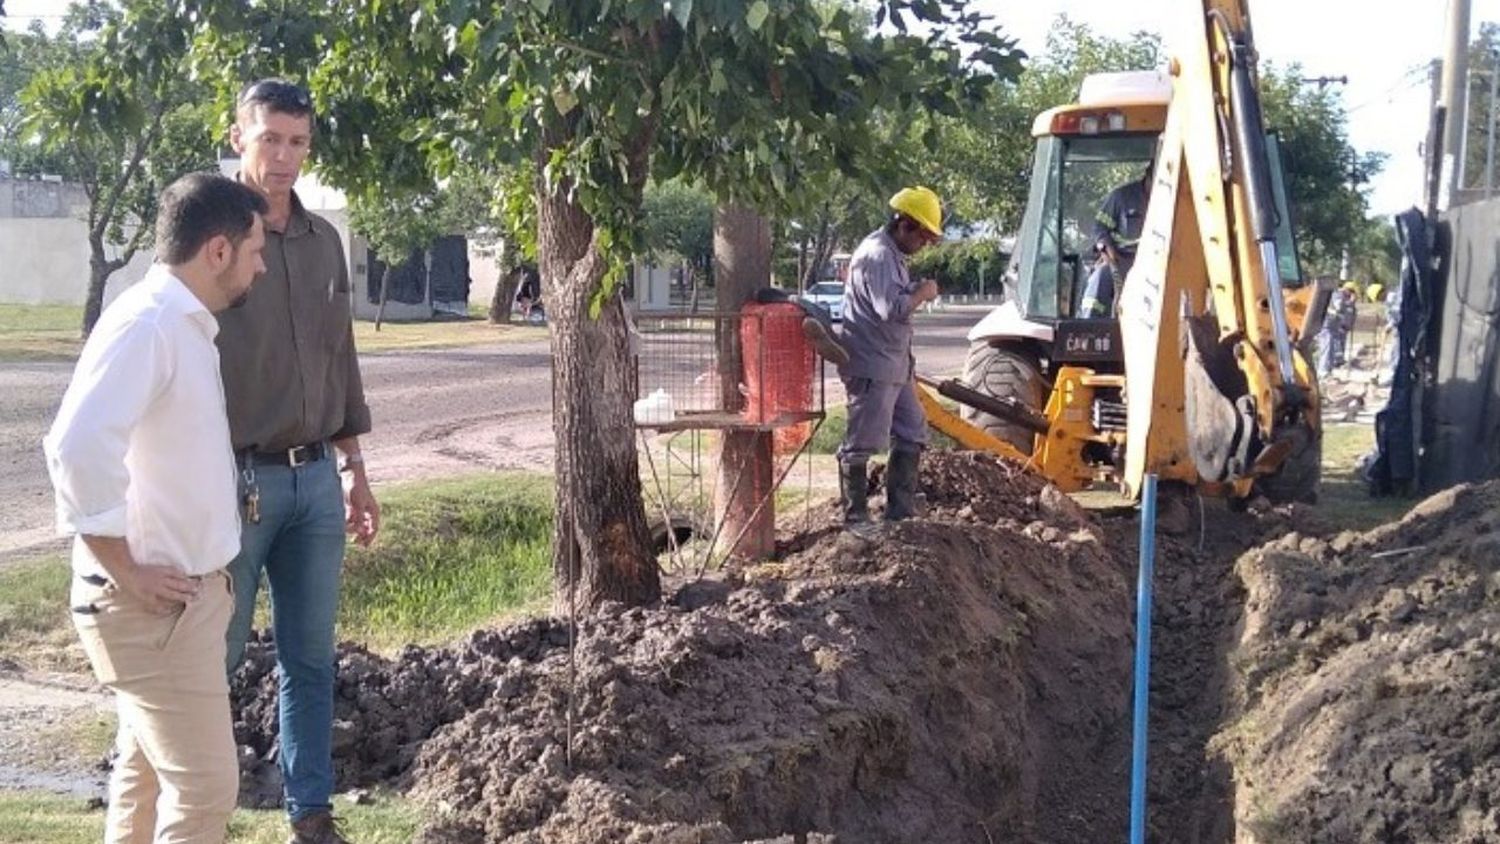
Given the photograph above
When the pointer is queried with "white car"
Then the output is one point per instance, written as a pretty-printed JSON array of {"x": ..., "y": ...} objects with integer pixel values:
[{"x": 829, "y": 294}]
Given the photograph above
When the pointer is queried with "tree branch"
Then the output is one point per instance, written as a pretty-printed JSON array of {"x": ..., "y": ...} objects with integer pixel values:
[
  {"x": 137, "y": 240},
  {"x": 117, "y": 188}
]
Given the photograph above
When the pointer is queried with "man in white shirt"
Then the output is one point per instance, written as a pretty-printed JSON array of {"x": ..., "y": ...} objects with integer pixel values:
[{"x": 144, "y": 477}]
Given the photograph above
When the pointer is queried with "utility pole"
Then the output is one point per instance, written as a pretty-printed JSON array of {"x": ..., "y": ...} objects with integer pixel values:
[
  {"x": 1489, "y": 146},
  {"x": 1324, "y": 81},
  {"x": 1455, "y": 97}
]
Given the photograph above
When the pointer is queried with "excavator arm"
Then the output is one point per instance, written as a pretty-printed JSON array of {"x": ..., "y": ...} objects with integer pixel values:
[{"x": 1217, "y": 391}]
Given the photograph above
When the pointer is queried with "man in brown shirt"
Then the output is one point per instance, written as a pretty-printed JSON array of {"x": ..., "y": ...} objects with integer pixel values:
[{"x": 294, "y": 395}]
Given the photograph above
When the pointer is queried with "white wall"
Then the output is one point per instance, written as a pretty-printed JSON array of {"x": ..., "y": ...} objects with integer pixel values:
[
  {"x": 44, "y": 249},
  {"x": 45, "y": 261},
  {"x": 484, "y": 272}
]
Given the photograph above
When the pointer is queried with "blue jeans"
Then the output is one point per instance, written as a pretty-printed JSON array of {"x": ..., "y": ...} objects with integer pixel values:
[{"x": 299, "y": 544}]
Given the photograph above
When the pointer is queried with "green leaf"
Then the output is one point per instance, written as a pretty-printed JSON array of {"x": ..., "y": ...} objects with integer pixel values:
[
  {"x": 756, "y": 16},
  {"x": 543, "y": 6},
  {"x": 682, "y": 10}
]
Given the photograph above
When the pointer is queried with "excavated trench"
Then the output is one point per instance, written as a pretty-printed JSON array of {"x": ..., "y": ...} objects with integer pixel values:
[{"x": 967, "y": 679}]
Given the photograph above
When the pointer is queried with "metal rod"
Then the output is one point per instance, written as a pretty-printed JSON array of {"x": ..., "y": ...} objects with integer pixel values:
[
  {"x": 1142, "y": 662},
  {"x": 666, "y": 511},
  {"x": 1279, "y": 329}
]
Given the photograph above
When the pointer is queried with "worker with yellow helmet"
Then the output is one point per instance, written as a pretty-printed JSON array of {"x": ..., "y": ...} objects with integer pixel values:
[{"x": 879, "y": 302}]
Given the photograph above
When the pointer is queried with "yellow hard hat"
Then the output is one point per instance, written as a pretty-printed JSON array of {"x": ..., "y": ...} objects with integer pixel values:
[
  {"x": 922, "y": 205},
  {"x": 1351, "y": 287},
  {"x": 1374, "y": 291}
]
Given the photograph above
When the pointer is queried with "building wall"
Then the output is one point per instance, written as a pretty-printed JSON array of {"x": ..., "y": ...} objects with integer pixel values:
[
  {"x": 1462, "y": 408},
  {"x": 44, "y": 250},
  {"x": 45, "y": 261}
]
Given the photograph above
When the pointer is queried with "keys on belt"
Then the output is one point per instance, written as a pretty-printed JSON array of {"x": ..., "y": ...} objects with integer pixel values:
[{"x": 294, "y": 457}]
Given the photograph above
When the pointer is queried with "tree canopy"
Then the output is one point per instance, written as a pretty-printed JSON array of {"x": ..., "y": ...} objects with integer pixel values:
[{"x": 108, "y": 106}]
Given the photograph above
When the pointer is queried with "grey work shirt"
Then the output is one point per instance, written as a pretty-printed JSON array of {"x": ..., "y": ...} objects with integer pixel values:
[
  {"x": 1122, "y": 216},
  {"x": 877, "y": 328},
  {"x": 291, "y": 376}
]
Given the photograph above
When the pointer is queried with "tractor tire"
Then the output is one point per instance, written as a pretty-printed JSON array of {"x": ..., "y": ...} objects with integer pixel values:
[
  {"x": 1005, "y": 372},
  {"x": 1299, "y": 476}
]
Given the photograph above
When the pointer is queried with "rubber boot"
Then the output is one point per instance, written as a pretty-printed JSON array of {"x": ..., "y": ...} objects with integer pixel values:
[
  {"x": 901, "y": 485},
  {"x": 854, "y": 489},
  {"x": 823, "y": 341}
]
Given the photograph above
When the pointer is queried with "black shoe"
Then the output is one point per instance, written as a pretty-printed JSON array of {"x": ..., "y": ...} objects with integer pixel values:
[
  {"x": 901, "y": 485},
  {"x": 824, "y": 342},
  {"x": 318, "y": 828},
  {"x": 854, "y": 490}
]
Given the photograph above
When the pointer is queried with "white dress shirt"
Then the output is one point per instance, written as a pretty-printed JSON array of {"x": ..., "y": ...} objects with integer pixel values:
[{"x": 140, "y": 447}]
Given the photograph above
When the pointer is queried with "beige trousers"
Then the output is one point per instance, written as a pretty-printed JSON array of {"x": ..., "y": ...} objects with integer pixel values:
[{"x": 177, "y": 777}]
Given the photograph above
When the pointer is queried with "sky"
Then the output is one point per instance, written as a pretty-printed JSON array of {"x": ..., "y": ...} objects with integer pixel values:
[{"x": 1383, "y": 48}]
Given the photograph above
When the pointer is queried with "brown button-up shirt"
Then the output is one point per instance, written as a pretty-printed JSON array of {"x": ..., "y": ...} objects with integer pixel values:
[{"x": 291, "y": 376}]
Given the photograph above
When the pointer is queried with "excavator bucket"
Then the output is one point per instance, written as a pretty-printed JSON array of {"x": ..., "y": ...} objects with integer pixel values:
[{"x": 1220, "y": 411}]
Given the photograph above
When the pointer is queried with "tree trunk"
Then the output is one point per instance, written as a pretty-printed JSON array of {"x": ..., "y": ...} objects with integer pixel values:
[
  {"x": 601, "y": 545},
  {"x": 742, "y": 265},
  {"x": 100, "y": 269},
  {"x": 93, "y": 304},
  {"x": 385, "y": 290},
  {"x": 504, "y": 299},
  {"x": 822, "y": 250}
]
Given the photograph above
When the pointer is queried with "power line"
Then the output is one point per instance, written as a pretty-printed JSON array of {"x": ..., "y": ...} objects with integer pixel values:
[{"x": 1404, "y": 82}]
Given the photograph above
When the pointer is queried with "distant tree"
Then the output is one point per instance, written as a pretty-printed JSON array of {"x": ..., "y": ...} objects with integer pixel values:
[
  {"x": 1483, "y": 64},
  {"x": 1327, "y": 178},
  {"x": 983, "y": 158},
  {"x": 1374, "y": 255},
  {"x": 832, "y": 212},
  {"x": 679, "y": 221},
  {"x": 115, "y": 113},
  {"x": 399, "y": 222}
]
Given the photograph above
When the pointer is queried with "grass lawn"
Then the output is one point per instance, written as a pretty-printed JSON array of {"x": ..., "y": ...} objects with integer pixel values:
[
  {"x": 40, "y": 332},
  {"x": 50, "y": 333},
  {"x": 28, "y": 817},
  {"x": 446, "y": 333},
  {"x": 1343, "y": 499},
  {"x": 34, "y": 626},
  {"x": 452, "y": 556}
]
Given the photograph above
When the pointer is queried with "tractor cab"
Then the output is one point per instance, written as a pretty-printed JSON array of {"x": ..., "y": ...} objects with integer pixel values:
[{"x": 1083, "y": 152}]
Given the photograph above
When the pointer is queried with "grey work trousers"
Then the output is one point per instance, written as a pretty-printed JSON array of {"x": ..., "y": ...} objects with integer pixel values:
[{"x": 880, "y": 411}]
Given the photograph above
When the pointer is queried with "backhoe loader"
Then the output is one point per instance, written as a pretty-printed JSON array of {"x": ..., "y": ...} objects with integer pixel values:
[{"x": 1199, "y": 373}]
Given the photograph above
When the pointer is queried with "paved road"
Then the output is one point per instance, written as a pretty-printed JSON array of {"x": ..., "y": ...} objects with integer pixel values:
[{"x": 437, "y": 413}]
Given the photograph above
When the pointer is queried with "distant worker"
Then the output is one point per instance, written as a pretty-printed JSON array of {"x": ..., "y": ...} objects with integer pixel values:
[
  {"x": 1333, "y": 339},
  {"x": 879, "y": 377},
  {"x": 1117, "y": 232}
]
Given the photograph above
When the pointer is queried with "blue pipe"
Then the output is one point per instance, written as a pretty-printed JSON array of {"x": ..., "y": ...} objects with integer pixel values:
[{"x": 1142, "y": 662}]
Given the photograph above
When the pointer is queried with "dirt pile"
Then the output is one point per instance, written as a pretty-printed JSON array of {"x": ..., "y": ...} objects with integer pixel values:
[
  {"x": 956, "y": 682},
  {"x": 383, "y": 709},
  {"x": 1369, "y": 676},
  {"x": 966, "y": 679}
]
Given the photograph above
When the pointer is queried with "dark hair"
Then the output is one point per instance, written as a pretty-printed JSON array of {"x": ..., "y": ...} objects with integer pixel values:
[
  {"x": 277, "y": 95},
  {"x": 200, "y": 206}
]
